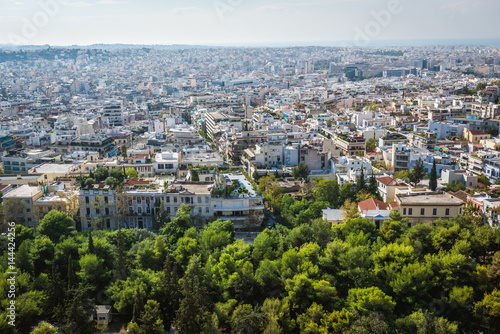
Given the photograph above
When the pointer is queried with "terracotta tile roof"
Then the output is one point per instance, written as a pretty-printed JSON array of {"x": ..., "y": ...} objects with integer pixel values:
[
  {"x": 390, "y": 181},
  {"x": 136, "y": 181},
  {"x": 393, "y": 205},
  {"x": 478, "y": 133},
  {"x": 371, "y": 204},
  {"x": 460, "y": 194}
]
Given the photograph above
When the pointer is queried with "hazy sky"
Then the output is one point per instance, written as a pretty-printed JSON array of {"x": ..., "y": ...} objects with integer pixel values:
[{"x": 83, "y": 22}]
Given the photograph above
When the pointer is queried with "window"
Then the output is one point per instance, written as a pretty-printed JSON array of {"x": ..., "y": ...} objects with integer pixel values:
[
  {"x": 422, "y": 212},
  {"x": 139, "y": 210},
  {"x": 106, "y": 199},
  {"x": 108, "y": 223},
  {"x": 207, "y": 210},
  {"x": 168, "y": 199},
  {"x": 88, "y": 211},
  {"x": 130, "y": 202},
  {"x": 404, "y": 211},
  {"x": 175, "y": 199},
  {"x": 410, "y": 211},
  {"x": 87, "y": 200},
  {"x": 206, "y": 200},
  {"x": 199, "y": 200},
  {"x": 434, "y": 211},
  {"x": 28, "y": 210},
  {"x": 447, "y": 212},
  {"x": 139, "y": 201},
  {"x": 107, "y": 211}
]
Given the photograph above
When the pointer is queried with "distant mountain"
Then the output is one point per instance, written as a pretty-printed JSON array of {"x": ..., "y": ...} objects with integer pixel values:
[
  {"x": 347, "y": 43},
  {"x": 108, "y": 47}
]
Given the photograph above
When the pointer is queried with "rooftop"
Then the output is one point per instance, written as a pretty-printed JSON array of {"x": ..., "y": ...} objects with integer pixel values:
[
  {"x": 24, "y": 191},
  {"x": 390, "y": 181},
  {"x": 429, "y": 198},
  {"x": 53, "y": 169},
  {"x": 372, "y": 204}
]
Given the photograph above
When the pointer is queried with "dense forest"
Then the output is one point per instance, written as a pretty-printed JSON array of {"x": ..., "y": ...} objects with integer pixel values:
[{"x": 313, "y": 278}]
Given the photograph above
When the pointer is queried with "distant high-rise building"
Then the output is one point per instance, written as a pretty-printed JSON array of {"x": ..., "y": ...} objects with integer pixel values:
[{"x": 112, "y": 113}]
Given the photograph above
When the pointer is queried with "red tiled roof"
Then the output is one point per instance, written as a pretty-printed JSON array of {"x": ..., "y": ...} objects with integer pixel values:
[
  {"x": 478, "y": 133},
  {"x": 393, "y": 205},
  {"x": 135, "y": 181},
  {"x": 390, "y": 181},
  {"x": 371, "y": 204}
]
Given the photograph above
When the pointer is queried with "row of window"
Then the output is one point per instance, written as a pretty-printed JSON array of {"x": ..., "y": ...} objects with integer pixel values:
[
  {"x": 165, "y": 166},
  {"x": 409, "y": 211}
]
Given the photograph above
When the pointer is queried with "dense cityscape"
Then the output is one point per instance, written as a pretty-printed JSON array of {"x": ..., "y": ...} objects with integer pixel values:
[{"x": 192, "y": 189}]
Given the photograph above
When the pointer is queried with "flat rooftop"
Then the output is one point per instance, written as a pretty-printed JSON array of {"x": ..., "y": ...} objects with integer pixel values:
[
  {"x": 53, "y": 169},
  {"x": 199, "y": 189},
  {"x": 429, "y": 199},
  {"x": 24, "y": 191}
]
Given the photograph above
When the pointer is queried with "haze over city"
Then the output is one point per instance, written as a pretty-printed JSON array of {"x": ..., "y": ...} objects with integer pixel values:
[{"x": 245, "y": 22}]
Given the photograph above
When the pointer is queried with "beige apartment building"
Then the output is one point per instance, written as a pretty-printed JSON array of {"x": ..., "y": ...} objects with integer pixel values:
[{"x": 425, "y": 207}]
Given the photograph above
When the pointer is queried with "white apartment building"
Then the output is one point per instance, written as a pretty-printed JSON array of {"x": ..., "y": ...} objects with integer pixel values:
[
  {"x": 166, "y": 162},
  {"x": 112, "y": 113}
]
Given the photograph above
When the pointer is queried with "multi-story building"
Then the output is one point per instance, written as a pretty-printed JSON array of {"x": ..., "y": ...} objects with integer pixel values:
[
  {"x": 20, "y": 162},
  {"x": 97, "y": 207},
  {"x": 141, "y": 201},
  {"x": 468, "y": 179},
  {"x": 388, "y": 185},
  {"x": 313, "y": 156},
  {"x": 351, "y": 145},
  {"x": 446, "y": 130},
  {"x": 102, "y": 144},
  {"x": 27, "y": 195},
  {"x": 166, "y": 162},
  {"x": 421, "y": 207},
  {"x": 239, "y": 142},
  {"x": 475, "y": 136},
  {"x": 242, "y": 205},
  {"x": 112, "y": 113},
  {"x": 57, "y": 196}
]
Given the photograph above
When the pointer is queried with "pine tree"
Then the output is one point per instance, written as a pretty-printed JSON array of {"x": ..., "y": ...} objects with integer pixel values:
[
  {"x": 361, "y": 183},
  {"x": 151, "y": 321},
  {"x": 71, "y": 272},
  {"x": 190, "y": 317},
  {"x": 170, "y": 292},
  {"x": 417, "y": 174},
  {"x": 433, "y": 177},
  {"x": 91, "y": 243},
  {"x": 138, "y": 305},
  {"x": 122, "y": 264},
  {"x": 373, "y": 186}
]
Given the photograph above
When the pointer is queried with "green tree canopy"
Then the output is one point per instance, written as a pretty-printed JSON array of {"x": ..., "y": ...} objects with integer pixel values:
[
  {"x": 55, "y": 225},
  {"x": 301, "y": 170}
]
